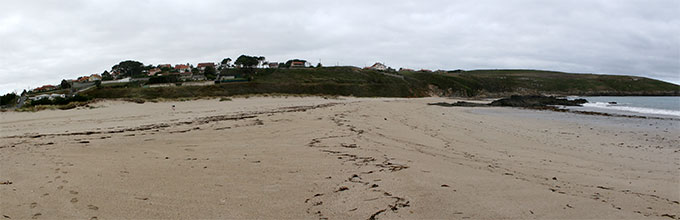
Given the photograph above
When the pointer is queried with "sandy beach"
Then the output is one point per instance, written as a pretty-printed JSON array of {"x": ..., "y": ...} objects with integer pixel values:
[{"x": 345, "y": 158}]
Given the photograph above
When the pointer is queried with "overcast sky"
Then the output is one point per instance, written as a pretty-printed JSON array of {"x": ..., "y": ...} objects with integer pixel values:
[{"x": 44, "y": 41}]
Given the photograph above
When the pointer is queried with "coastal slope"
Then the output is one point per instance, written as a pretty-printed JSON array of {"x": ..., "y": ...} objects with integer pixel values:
[{"x": 352, "y": 81}]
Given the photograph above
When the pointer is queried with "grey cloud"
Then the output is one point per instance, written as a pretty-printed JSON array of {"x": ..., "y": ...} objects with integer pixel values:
[{"x": 46, "y": 41}]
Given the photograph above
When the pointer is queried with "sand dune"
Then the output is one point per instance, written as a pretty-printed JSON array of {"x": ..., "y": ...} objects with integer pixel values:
[{"x": 348, "y": 158}]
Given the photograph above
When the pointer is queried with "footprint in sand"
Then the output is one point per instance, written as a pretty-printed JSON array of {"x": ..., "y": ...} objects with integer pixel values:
[
  {"x": 33, "y": 205},
  {"x": 73, "y": 192},
  {"x": 93, "y": 207},
  {"x": 36, "y": 215},
  {"x": 60, "y": 187},
  {"x": 74, "y": 200}
]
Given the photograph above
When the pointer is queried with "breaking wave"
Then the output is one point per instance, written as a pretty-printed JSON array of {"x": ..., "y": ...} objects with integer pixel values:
[{"x": 618, "y": 107}]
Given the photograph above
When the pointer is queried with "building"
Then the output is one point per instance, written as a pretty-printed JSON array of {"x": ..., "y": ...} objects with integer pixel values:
[
  {"x": 183, "y": 68},
  {"x": 378, "y": 66},
  {"x": 225, "y": 65},
  {"x": 164, "y": 66},
  {"x": 198, "y": 77},
  {"x": 44, "y": 88},
  {"x": 273, "y": 65},
  {"x": 154, "y": 71},
  {"x": 297, "y": 64},
  {"x": 83, "y": 79},
  {"x": 202, "y": 66},
  {"x": 95, "y": 77}
]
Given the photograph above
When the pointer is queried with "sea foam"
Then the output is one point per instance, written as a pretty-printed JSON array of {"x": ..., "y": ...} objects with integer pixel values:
[{"x": 618, "y": 107}]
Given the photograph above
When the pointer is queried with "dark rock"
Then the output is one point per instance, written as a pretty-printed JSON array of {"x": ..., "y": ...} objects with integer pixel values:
[
  {"x": 536, "y": 101},
  {"x": 459, "y": 103}
]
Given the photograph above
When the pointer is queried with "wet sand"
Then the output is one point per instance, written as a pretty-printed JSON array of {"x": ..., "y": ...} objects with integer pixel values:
[{"x": 348, "y": 158}]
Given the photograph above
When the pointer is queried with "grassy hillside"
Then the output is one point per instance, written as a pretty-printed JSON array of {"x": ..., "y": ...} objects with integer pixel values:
[
  {"x": 369, "y": 83},
  {"x": 494, "y": 82}
]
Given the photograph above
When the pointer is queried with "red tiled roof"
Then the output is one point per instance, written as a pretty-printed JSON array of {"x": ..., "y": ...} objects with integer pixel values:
[
  {"x": 205, "y": 65},
  {"x": 181, "y": 66},
  {"x": 45, "y": 87}
]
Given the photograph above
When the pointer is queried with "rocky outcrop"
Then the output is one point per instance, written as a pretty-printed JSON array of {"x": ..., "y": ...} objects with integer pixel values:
[
  {"x": 530, "y": 101},
  {"x": 536, "y": 101}
]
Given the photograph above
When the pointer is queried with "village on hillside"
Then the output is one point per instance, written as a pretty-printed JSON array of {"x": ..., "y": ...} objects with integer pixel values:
[{"x": 169, "y": 75}]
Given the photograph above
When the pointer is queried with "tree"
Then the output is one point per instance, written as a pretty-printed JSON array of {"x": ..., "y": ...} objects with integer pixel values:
[
  {"x": 166, "y": 69},
  {"x": 8, "y": 98},
  {"x": 319, "y": 65},
  {"x": 261, "y": 61},
  {"x": 98, "y": 83},
  {"x": 210, "y": 72},
  {"x": 65, "y": 84},
  {"x": 106, "y": 76},
  {"x": 129, "y": 68},
  {"x": 226, "y": 61},
  {"x": 245, "y": 61}
]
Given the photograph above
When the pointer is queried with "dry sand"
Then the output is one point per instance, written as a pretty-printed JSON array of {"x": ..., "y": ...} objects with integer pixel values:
[{"x": 348, "y": 158}]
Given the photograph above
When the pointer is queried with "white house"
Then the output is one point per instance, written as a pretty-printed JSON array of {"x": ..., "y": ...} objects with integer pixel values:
[{"x": 378, "y": 66}]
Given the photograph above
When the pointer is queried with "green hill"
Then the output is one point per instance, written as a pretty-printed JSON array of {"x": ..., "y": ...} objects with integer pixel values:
[{"x": 370, "y": 83}]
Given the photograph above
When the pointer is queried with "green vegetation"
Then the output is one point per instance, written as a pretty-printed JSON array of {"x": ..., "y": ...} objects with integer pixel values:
[
  {"x": 246, "y": 61},
  {"x": 9, "y": 98},
  {"x": 210, "y": 73},
  {"x": 129, "y": 68},
  {"x": 163, "y": 79},
  {"x": 64, "y": 84},
  {"x": 352, "y": 81},
  {"x": 58, "y": 101}
]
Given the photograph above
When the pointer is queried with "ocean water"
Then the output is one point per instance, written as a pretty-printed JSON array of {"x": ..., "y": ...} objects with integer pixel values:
[{"x": 664, "y": 106}]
